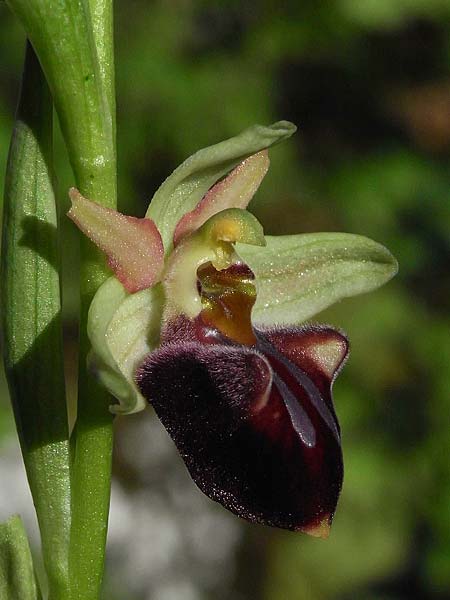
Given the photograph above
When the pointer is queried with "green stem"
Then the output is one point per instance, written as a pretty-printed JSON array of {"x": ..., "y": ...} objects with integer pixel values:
[
  {"x": 32, "y": 322},
  {"x": 74, "y": 42},
  {"x": 93, "y": 442},
  {"x": 62, "y": 35},
  {"x": 91, "y": 475}
]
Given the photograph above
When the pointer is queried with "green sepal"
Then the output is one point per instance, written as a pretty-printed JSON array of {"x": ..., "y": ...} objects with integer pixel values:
[
  {"x": 297, "y": 276},
  {"x": 123, "y": 329},
  {"x": 17, "y": 577},
  {"x": 186, "y": 186}
]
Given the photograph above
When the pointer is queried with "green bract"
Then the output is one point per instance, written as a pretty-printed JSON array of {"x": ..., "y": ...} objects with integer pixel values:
[{"x": 296, "y": 276}]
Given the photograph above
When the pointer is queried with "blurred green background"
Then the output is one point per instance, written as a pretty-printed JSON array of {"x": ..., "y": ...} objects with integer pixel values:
[{"x": 368, "y": 84}]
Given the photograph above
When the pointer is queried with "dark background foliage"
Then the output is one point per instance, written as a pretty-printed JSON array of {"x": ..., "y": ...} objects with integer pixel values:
[{"x": 368, "y": 84}]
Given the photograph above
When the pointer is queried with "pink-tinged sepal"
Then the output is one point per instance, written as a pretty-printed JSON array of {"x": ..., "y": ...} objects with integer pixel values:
[
  {"x": 133, "y": 246},
  {"x": 256, "y": 430},
  {"x": 234, "y": 191}
]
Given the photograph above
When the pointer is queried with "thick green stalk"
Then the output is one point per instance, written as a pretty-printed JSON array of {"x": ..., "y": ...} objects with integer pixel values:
[
  {"x": 62, "y": 35},
  {"x": 31, "y": 314},
  {"x": 93, "y": 441},
  {"x": 103, "y": 30},
  {"x": 73, "y": 40}
]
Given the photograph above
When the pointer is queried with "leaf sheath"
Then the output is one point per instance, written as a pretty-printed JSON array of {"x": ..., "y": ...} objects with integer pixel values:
[{"x": 31, "y": 315}]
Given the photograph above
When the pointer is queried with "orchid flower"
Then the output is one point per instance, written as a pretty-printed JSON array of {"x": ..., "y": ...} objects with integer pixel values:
[{"x": 204, "y": 319}]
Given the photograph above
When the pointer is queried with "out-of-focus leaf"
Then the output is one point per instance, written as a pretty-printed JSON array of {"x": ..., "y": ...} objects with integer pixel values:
[
  {"x": 17, "y": 578},
  {"x": 379, "y": 13}
]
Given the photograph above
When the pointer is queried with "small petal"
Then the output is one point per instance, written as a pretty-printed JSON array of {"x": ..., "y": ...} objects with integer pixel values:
[
  {"x": 256, "y": 430},
  {"x": 297, "y": 276},
  {"x": 235, "y": 191},
  {"x": 186, "y": 186},
  {"x": 133, "y": 246}
]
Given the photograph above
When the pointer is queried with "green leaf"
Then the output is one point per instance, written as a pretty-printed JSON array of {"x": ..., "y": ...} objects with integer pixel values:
[
  {"x": 123, "y": 329},
  {"x": 297, "y": 276},
  {"x": 31, "y": 316},
  {"x": 17, "y": 578},
  {"x": 185, "y": 187}
]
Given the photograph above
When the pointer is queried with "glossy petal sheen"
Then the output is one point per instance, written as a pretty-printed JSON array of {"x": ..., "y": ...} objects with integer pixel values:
[
  {"x": 255, "y": 425},
  {"x": 133, "y": 246}
]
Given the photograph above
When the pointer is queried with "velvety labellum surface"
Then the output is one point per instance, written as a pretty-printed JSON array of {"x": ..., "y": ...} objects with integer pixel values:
[{"x": 251, "y": 411}]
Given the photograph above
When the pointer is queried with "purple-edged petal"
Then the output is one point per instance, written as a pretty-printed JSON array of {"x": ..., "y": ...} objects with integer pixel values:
[
  {"x": 256, "y": 432},
  {"x": 234, "y": 191},
  {"x": 133, "y": 246}
]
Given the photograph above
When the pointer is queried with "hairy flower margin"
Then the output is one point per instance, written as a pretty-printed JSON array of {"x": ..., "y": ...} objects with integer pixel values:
[{"x": 204, "y": 320}]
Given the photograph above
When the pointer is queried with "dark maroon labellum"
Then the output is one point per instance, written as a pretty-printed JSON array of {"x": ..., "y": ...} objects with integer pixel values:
[{"x": 254, "y": 421}]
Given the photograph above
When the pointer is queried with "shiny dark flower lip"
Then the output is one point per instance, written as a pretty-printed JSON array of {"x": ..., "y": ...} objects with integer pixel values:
[
  {"x": 204, "y": 319},
  {"x": 254, "y": 423}
]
